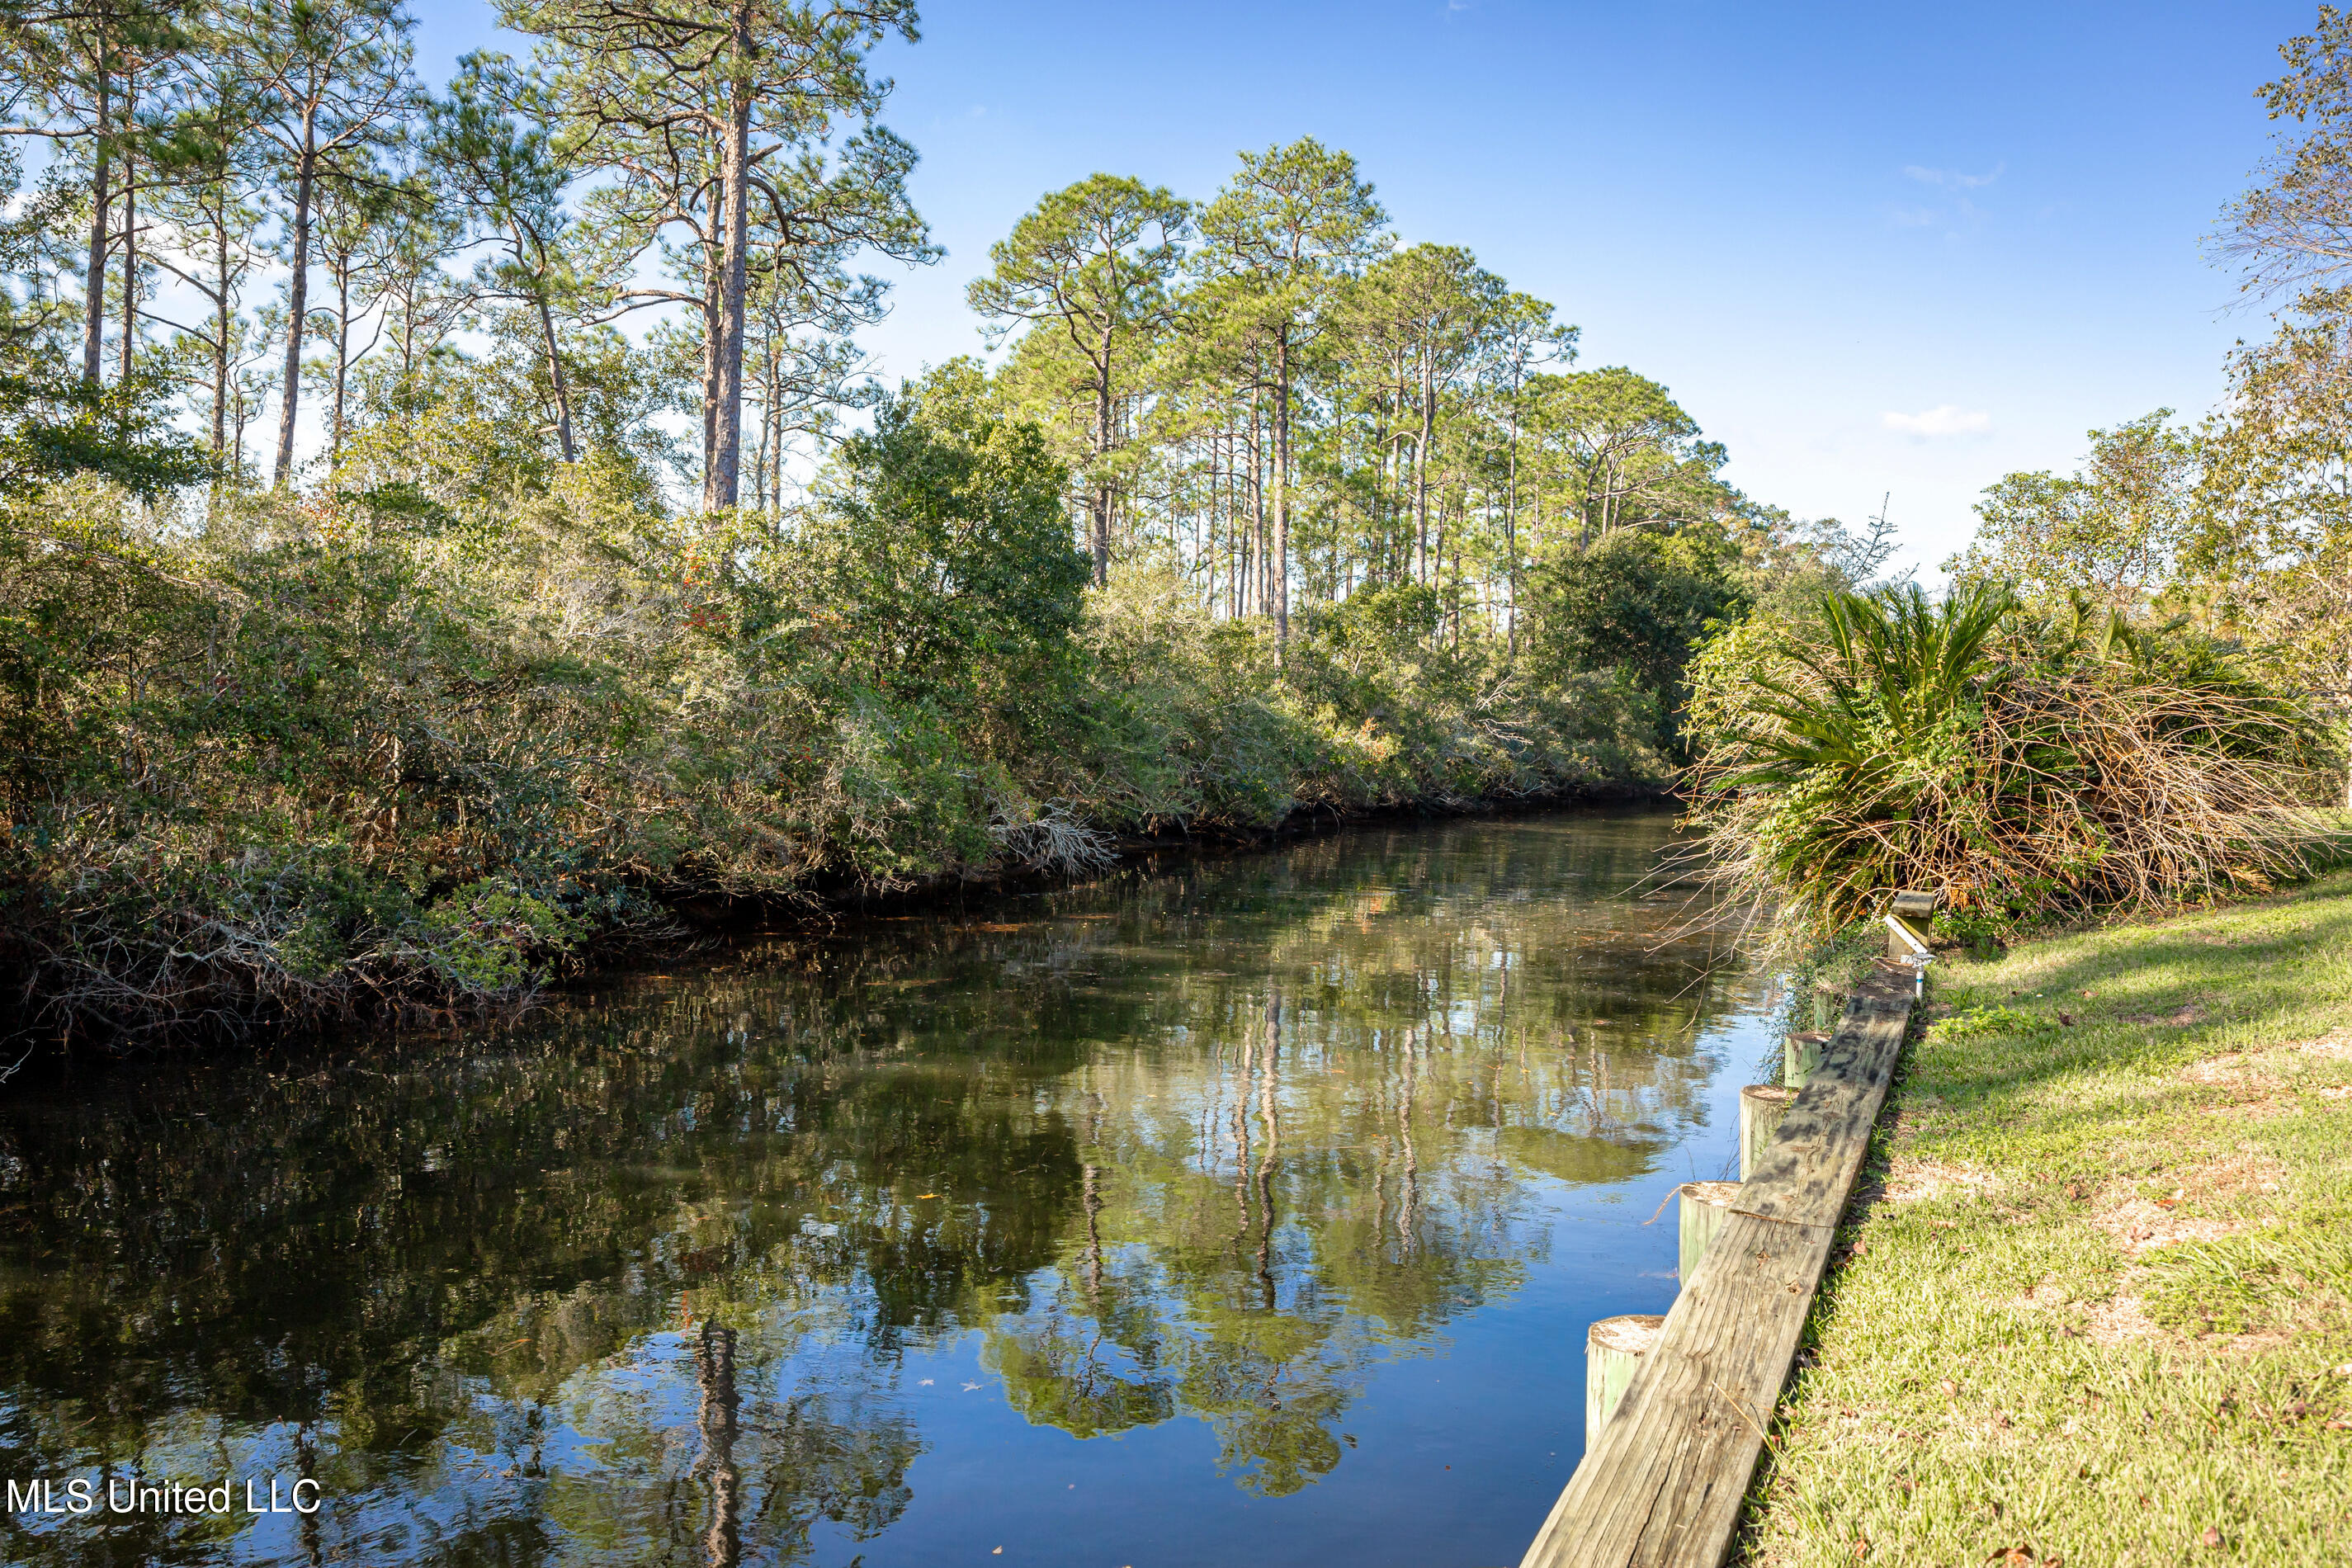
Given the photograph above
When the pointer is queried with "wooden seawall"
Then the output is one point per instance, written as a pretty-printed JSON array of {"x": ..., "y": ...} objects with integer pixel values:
[{"x": 1663, "y": 1480}]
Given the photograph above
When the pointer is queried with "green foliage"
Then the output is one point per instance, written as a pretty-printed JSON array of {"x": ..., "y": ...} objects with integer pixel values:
[
  {"x": 53, "y": 428},
  {"x": 412, "y": 737},
  {"x": 2272, "y": 553},
  {"x": 2116, "y": 529},
  {"x": 948, "y": 537},
  {"x": 1625, "y": 453},
  {"x": 483, "y": 937},
  {"x": 413, "y": 747},
  {"x": 1638, "y": 602},
  {"x": 2024, "y": 765},
  {"x": 1970, "y": 1023},
  {"x": 410, "y": 741},
  {"x": 1382, "y": 624},
  {"x": 1090, "y": 268}
]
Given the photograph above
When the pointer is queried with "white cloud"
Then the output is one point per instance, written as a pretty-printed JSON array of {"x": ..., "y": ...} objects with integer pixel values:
[
  {"x": 1952, "y": 179},
  {"x": 1944, "y": 419}
]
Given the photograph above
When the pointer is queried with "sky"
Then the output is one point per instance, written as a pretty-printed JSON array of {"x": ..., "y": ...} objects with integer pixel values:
[{"x": 1880, "y": 252}]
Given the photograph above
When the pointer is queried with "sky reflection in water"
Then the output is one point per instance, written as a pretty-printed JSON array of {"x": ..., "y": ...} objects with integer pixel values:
[{"x": 1256, "y": 1208}]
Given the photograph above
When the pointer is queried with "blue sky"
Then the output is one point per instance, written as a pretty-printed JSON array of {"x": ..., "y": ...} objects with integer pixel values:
[{"x": 1981, "y": 220}]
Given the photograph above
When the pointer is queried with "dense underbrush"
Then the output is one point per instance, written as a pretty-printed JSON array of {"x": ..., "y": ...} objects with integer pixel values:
[
  {"x": 2029, "y": 763},
  {"x": 271, "y": 758}
]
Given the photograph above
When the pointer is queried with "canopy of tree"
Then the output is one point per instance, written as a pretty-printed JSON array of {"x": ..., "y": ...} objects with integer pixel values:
[
  {"x": 2239, "y": 523},
  {"x": 442, "y": 525}
]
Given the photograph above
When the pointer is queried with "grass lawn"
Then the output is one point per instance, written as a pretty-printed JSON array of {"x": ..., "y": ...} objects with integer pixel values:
[{"x": 2095, "y": 1301}]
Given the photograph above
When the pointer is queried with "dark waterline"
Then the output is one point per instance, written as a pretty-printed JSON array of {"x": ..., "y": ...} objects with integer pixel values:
[{"x": 1252, "y": 1212}]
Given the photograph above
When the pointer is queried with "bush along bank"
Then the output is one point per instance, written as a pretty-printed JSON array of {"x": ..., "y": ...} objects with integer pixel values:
[
  {"x": 277, "y": 760},
  {"x": 2029, "y": 763},
  {"x": 2094, "y": 1304}
]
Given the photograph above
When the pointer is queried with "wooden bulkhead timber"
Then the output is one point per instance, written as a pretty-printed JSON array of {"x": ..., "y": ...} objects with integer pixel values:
[{"x": 1663, "y": 1480}]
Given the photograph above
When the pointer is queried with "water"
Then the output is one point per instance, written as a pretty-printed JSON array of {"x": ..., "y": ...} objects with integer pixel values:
[{"x": 1251, "y": 1211}]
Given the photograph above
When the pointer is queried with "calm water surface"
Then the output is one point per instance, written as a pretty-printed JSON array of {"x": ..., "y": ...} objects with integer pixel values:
[{"x": 1252, "y": 1212}]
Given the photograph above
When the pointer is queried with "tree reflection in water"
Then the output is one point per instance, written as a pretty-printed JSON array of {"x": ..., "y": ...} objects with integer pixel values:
[{"x": 642, "y": 1280}]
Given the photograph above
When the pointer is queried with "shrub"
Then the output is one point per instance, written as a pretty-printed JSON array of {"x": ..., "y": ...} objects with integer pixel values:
[
  {"x": 2027, "y": 766},
  {"x": 1637, "y": 605},
  {"x": 410, "y": 749}
]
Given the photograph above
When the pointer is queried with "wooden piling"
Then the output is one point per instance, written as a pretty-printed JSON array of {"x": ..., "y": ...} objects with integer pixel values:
[
  {"x": 1664, "y": 1473},
  {"x": 1613, "y": 1347},
  {"x": 1801, "y": 1056},
  {"x": 1761, "y": 1107},
  {"x": 1699, "y": 1210},
  {"x": 1907, "y": 920}
]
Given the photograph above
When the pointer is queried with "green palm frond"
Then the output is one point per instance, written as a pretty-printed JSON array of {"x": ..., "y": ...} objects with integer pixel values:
[{"x": 2031, "y": 760}]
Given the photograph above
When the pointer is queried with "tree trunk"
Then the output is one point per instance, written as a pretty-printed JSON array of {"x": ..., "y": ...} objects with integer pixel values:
[
  {"x": 220, "y": 321},
  {"x": 784, "y": 433},
  {"x": 130, "y": 265},
  {"x": 2347, "y": 771},
  {"x": 1511, "y": 537},
  {"x": 1438, "y": 569},
  {"x": 774, "y": 419},
  {"x": 1390, "y": 487},
  {"x": 298, "y": 297},
  {"x": 1454, "y": 607},
  {"x": 1255, "y": 556},
  {"x": 1103, "y": 442},
  {"x": 1207, "y": 544},
  {"x": 555, "y": 377},
  {"x": 727, "y": 431},
  {"x": 93, "y": 319},
  {"x": 759, "y": 448},
  {"x": 342, "y": 359},
  {"x": 1278, "y": 558},
  {"x": 712, "y": 267},
  {"x": 1421, "y": 560},
  {"x": 1237, "y": 522}
]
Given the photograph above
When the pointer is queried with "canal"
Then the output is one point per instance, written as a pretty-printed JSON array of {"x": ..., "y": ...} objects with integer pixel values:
[{"x": 1251, "y": 1210}]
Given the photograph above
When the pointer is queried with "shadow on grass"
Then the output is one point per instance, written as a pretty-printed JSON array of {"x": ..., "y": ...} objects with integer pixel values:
[
  {"x": 1936, "y": 1390},
  {"x": 2218, "y": 966}
]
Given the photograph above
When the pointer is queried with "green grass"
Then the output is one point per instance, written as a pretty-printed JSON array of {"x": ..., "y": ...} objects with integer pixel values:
[{"x": 2098, "y": 1304}]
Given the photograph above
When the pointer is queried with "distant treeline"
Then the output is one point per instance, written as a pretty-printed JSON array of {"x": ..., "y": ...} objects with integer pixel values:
[
  {"x": 443, "y": 528},
  {"x": 2138, "y": 691},
  {"x": 447, "y": 527}
]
